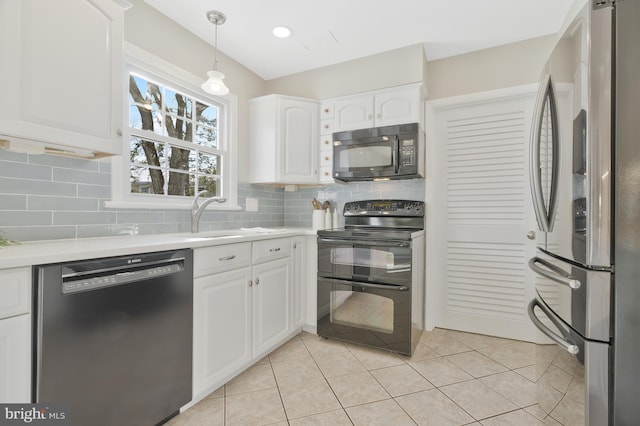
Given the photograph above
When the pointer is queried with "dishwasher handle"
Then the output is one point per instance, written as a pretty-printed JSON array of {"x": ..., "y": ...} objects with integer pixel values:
[{"x": 95, "y": 282}]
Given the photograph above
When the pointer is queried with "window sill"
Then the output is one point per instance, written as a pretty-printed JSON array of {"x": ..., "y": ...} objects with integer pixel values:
[{"x": 166, "y": 206}]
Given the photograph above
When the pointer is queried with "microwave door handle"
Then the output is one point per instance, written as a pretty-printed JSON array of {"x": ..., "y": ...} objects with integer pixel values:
[
  {"x": 563, "y": 342},
  {"x": 396, "y": 154},
  {"x": 554, "y": 273}
]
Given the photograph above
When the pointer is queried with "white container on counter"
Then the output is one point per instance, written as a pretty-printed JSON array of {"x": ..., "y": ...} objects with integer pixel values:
[
  {"x": 317, "y": 219},
  {"x": 327, "y": 218}
]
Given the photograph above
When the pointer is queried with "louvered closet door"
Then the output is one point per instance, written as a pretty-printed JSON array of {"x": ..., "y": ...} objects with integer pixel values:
[{"x": 486, "y": 212}]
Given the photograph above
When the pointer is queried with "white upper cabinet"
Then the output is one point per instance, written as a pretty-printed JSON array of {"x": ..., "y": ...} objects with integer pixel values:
[
  {"x": 353, "y": 113},
  {"x": 61, "y": 75},
  {"x": 398, "y": 105},
  {"x": 283, "y": 135}
]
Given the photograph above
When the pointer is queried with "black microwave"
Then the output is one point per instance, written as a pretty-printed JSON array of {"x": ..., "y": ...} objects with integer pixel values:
[{"x": 380, "y": 153}]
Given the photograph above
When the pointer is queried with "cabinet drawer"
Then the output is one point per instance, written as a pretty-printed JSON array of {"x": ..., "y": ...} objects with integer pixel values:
[
  {"x": 326, "y": 159},
  {"x": 326, "y": 127},
  {"x": 325, "y": 143},
  {"x": 15, "y": 292},
  {"x": 211, "y": 260},
  {"x": 326, "y": 174},
  {"x": 326, "y": 110},
  {"x": 271, "y": 249}
]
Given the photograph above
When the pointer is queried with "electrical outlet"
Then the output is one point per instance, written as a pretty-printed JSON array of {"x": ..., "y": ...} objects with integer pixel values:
[{"x": 251, "y": 204}]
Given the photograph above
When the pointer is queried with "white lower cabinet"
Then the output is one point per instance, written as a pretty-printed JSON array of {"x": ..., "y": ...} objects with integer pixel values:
[
  {"x": 222, "y": 327},
  {"x": 15, "y": 359},
  {"x": 271, "y": 307},
  {"x": 298, "y": 281},
  {"x": 241, "y": 315},
  {"x": 15, "y": 335}
]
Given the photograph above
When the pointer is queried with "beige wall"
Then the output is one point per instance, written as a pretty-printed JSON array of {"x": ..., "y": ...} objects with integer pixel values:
[
  {"x": 504, "y": 66},
  {"x": 393, "y": 68},
  {"x": 495, "y": 68},
  {"x": 152, "y": 31}
]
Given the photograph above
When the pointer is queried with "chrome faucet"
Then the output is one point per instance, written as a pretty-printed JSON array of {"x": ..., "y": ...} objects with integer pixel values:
[{"x": 196, "y": 210}]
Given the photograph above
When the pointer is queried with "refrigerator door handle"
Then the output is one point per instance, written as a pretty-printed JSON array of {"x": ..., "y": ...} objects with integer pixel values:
[
  {"x": 563, "y": 342},
  {"x": 554, "y": 273},
  {"x": 545, "y": 215}
]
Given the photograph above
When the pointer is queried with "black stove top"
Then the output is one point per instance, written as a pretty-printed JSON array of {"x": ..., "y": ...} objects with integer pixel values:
[{"x": 380, "y": 220}]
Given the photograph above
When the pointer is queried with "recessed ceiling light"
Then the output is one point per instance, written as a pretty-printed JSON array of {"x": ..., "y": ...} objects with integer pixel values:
[{"x": 281, "y": 31}]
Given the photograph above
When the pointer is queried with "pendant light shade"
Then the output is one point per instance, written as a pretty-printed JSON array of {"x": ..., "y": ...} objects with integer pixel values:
[{"x": 215, "y": 84}]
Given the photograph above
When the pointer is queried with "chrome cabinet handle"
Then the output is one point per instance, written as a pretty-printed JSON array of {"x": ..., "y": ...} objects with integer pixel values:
[
  {"x": 554, "y": 273},
  {"x": 568, "y": 346},
  {"x": 277, "y": 249},
  {"x": 250, "y": 283},
  {"x": 233, "y": 256},
  {"x": 257, "y": 281},
  {"x": 531, "y": 235}
]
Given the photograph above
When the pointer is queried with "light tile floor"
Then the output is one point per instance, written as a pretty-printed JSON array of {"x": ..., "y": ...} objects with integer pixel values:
[{"x": 453, "y": 378}]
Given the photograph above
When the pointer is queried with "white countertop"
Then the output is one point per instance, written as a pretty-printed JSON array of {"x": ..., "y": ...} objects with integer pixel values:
[{"x": 54, "y": 251}]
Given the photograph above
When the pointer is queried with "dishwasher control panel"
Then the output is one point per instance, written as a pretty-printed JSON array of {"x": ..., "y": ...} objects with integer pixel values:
[{"x": 78, "y": 284}]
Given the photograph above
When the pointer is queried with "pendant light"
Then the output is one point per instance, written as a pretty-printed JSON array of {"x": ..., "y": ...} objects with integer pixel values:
[{"x": 215, "y": 84}]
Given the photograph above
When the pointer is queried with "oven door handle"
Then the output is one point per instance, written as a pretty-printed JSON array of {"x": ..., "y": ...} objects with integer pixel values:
[
  {"x": 567, "y": 345},
  {"x": 554, "y": 273},
  {"x": 392, "y": 287},
  {"x": 366, "y": 243}
]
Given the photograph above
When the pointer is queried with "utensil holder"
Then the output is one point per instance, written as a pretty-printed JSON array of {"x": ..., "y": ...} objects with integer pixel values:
[{"x": 317, "y": 220}]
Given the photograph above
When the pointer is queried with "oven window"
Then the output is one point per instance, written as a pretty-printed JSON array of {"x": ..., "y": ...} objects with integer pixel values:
[
  {"x": 366, "y": 156},
  {"x": 362, "y": 310}
]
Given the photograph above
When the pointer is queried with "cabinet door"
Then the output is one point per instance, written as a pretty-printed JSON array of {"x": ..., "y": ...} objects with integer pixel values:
[
  {"x": 298, "y": 273},
  {"x": 353, "y": 113},
  {"x": 222, "y": 328},
  {"x": 400, "y": 106},
  {"x": 271, "y": 302},
  {"x": 61, "y": 73},
  {"x": 298, "y": 141},
  {"x": 15, "y": 292},
  {"x": 15, "y": 359}
]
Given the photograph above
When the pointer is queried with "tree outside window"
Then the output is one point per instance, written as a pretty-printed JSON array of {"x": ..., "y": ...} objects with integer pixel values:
[{"x": 174, "y": 145}]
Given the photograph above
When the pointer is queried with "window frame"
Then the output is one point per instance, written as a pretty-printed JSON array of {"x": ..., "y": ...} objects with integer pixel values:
[{"x": 157, "y": 70}]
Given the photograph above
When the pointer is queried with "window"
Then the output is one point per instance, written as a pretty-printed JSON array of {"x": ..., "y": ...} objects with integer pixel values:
[
  {"x": 173, "y": 141},
  {"x": 179, "y": 140}
]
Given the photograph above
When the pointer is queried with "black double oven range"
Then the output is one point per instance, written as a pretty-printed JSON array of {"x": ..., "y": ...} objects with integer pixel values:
[{"x": 371, "y": 275}]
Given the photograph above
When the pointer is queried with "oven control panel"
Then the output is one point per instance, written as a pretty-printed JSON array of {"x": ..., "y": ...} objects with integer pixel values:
[{"x": 384, "y": 208}]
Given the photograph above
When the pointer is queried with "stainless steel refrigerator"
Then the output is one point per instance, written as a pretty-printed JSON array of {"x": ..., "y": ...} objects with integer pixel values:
[{"x": 585, "y": 183}]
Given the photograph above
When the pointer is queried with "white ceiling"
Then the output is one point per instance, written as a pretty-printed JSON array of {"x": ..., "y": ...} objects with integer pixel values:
[{"x": 333, "y": 31}]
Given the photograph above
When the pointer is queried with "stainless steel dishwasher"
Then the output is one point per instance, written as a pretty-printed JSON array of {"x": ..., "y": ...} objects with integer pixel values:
[{"x": 113, "y": 337}]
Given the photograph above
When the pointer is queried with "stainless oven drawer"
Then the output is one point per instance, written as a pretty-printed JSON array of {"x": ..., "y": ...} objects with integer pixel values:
[{"x": 374, "y": 315}]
